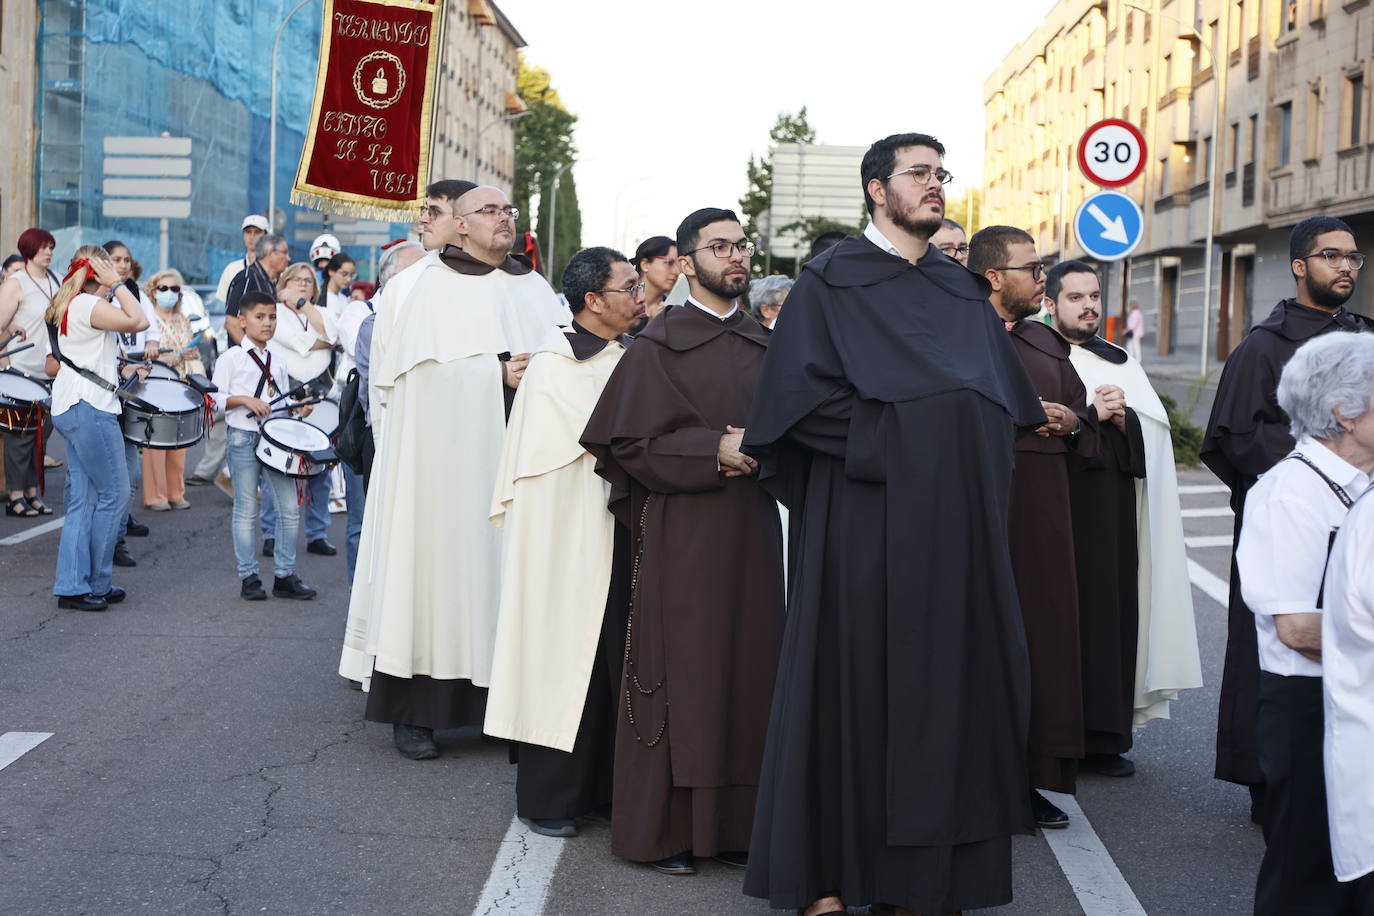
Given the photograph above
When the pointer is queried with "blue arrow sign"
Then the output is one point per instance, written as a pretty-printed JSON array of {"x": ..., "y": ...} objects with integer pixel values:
[{"x": 1109, "y": 225}]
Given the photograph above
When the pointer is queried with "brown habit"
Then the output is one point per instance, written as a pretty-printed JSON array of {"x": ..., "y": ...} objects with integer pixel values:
[
  {"x": 1040, "y": 525},
  {"x": 707, "y": 609}
]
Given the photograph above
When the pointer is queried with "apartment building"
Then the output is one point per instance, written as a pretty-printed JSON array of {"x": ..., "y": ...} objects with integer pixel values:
[
  {"x": 1287, "y": 93},
  {"x": 18, "y": 41}
]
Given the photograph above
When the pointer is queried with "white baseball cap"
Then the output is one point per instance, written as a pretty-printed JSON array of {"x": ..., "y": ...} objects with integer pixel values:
[
  {"x": 324, "y": 246},
  {"x": 257, "y": 221}
]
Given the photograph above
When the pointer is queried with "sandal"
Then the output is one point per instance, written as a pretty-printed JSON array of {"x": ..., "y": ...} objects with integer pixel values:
[
  {"x": 24, "y": 510},
  {"x": 38, "y": 504}
]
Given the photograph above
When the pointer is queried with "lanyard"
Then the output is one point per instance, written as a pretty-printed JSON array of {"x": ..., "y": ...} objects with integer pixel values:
[
  {"x": 1336, "y": 488},
  {"x": 265, "y": 380}
]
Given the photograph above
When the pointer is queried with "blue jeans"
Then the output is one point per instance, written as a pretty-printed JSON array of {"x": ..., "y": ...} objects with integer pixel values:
[
  {"x": 133, "y": 458},
  {"x": 316, "y": 513},
  {"x": 96, "y": 496},
  {"x": 247, "y": 472},
  {"x": 355, "y": 497}
]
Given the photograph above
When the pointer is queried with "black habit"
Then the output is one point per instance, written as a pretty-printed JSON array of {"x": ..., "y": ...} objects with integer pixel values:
[
  {"x": 884, "y": 421},
  {"x": 1042, "y": 555},
  {"x": 1246, "y": 433},
  {"x": 706, "y": 585}
]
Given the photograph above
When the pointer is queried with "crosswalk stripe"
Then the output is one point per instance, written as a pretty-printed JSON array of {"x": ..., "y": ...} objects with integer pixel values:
[
  {"x": 1211, "y": 585},
  {"x": 14, "y": 745},
  {"x": 1096, "y": 881},
  {"x": 520, "y": 877},
  {"x": 1216, "y": 540},
  {"x": 1208, "y": 512},
  {"x": 35, "y": 531},
  {"x": 1198, "y": 489}
]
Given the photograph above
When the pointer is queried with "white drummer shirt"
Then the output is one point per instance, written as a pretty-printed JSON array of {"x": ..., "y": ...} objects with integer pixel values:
[
  {"x": 294, "y": 343},
  {"x": 90, "y": 348},
  {"x": 133, "y": 345},
  {"x": 1348, "y": 691},
  {"x": 237, "y": 375}
]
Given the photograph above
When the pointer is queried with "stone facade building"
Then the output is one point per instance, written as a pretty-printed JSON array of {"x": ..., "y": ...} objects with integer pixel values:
[{"x": 18, "y": 70}]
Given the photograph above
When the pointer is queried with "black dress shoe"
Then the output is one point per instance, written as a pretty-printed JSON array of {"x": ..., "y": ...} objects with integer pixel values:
[
  {"x": 292, "y": 587},
  {"x": 1109, "y": 765},
  {"x": 136, "y": 529},
  {"x": 81, "y": 603},
  {"x": 680, "y": 864},
  {"x": 415, "y": 742},
  {"x": 321, "y": 547},
  {"x": 735, "y": 859},
  {"x": 269, "y": 546},
  {"x": 252, "y": 590},
  {"x": 122, "y": 557},
  {"x": 551, "y": 826},
  {"x": 113, "y": 596},
  {"x": 1047, "y": 814}
]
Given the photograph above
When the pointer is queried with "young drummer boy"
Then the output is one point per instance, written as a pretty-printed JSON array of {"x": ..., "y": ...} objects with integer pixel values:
[{"x": 248, "y": 379}]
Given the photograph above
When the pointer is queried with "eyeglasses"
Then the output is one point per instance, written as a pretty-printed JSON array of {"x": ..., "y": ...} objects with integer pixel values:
[
  {"x": 723, "y": 250},
  {"x": 922, "y": 174},
  {"x": 493, "y": 210},
  {"x": 954, "y": 250},
  {"x": 302, "y": 281},
  {"x": 629, "y": 290},
  {"x": 1337, "y": 259},
  {"x": 1037, "y": 269},
  {"x": 432, "y": 212},
  {"x": 169, "y": 289}
]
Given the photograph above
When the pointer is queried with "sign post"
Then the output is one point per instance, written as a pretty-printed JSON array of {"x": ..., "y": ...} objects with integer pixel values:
[{"x": 148, "y": 178}]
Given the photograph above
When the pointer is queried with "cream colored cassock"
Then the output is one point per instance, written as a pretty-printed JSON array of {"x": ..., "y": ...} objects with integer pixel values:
[
  {"x": 1167, "y": 659},
  {"x": 427, "y": 586},
  {"x": 558, "y": 551}
]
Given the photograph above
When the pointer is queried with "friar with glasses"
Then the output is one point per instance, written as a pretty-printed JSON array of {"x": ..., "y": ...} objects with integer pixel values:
[
  {"x": 952, "y": 241},
  {"x": 706, "y": 567},
  {"x": 891, "y": 396},
  {"x": 1040, "y": 521},
  {"x": 1138, "y": 638},
  {"x": 560, "y": 636},
  {"x": 1248, "y": 431},
  {"x": 428, "y": 574}
]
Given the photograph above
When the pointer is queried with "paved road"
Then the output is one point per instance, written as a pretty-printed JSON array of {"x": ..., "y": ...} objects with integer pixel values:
[{"x": 205, "y": 758}]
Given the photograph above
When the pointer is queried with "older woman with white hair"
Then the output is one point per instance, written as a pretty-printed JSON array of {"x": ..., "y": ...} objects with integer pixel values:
[
  {"x": 1291, "y": 517},
  {"x": 766, "y": 295}
]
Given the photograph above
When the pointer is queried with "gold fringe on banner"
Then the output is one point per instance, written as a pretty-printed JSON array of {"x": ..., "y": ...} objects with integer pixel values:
[{"x": 360, "y": 209}]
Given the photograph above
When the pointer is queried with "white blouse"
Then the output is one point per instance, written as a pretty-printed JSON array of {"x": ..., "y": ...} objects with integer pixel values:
[{"x": 90, "y": 348}]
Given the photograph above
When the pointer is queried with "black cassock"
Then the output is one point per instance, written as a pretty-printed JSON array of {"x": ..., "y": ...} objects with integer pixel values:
[
  {"x": 894, "y": 770},
  {"x": 1246, "y": 433}
]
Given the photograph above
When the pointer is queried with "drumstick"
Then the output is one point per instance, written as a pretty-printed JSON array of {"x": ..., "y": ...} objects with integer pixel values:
[
  {"x": 15, "y": 350},
  {"x": 293, "y": 393}
]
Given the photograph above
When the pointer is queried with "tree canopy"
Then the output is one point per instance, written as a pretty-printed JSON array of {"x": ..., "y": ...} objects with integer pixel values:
[{"x": 543, "y": 146}]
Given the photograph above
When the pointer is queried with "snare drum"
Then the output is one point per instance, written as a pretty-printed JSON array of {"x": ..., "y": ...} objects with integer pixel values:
[
  {"x": 162, "y": 370},
  {"x": 294, "y": 447},
  {"x": 324, "y": 416},
  {"x": 176, "y": 420},
  {"x": 21, "y": 400}
]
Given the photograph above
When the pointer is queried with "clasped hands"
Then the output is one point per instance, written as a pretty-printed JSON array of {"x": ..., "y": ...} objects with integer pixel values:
[{"x": 733, "y": 462}]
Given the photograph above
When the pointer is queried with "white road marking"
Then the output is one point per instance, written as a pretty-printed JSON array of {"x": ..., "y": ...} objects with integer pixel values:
[
  {"x": 14, "y": 745},
  {"x": 1216, "y": 540},
  {"x": 1211, "y": 585},
  {"x": 1195, "y": 489},
  {"x": 1208, "y": 512},
  {"x": 1096, "y": 881},
  {"x": 520, "y": 876},
  {"x": 33, "y": 532}
]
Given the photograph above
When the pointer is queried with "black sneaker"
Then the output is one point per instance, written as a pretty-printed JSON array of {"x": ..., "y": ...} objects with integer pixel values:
[
  {"x": 269, "y": 546},
  {"x": 252, "y": 589},
  {"x": 81, "y": 603},
  {"x": 322, "y": 547},
  {"x": 1047, "y": 814},
  {"x": 122, "y": 557},
  {"x": 1109, "y": 765},
  {"x": 136, "y": 529},
  {"x": 113, "y": 596},
  {"x": 292, "y": 587},
  {"x": 415, "y": 742}
]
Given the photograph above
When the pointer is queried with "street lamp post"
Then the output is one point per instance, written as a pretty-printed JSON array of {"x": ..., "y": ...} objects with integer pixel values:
[
  {"x": 272, "y": 128},
  {"x": 552, "y": 259},
  {"x": 1211, "y": 180}
]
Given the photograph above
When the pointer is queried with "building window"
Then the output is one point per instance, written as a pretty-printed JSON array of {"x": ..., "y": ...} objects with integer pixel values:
[
  {"x": 1233, "y": 150},
  {"x": 1314, "y": 123},
  {"x": 1354, "y": 113},
  {"x": 1252, "y": 145},
  {"x": 1130, "y": 24},
  {"x": 1204, "y": 162},
  {"x": 1234, "y": 30},
  {"x": 1164, "y": 188},
  {"x": 1290, "y": 16},
  {"x": 1284, "y": 136}
]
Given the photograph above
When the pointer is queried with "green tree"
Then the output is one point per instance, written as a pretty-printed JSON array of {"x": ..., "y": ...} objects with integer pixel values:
[
  {"x": 568, "y": 238},
  {"x": 966, "y": 209},
  {"x": 543, "y": 145},
  {"x": 788, "y": 128}
]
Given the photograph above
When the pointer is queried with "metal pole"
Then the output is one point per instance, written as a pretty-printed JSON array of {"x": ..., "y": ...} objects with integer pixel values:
[
  {"x": 166, "y": 244},
  {"x": 552, "y": 259},
  {"x": 272, "y": 123}
]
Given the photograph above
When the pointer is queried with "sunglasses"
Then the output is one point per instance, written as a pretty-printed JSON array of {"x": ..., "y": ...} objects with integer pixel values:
[{"x": 169, "y": 289}]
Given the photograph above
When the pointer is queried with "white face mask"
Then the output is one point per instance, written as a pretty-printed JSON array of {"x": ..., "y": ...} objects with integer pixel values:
[{"x": 167, "y": 299}]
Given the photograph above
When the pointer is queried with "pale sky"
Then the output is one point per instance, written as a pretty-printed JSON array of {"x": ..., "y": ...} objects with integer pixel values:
[{"x": 672, "y": 98}]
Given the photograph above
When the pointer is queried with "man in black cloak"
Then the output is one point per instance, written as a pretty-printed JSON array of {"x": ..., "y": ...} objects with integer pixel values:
[
  {"x": 894, "y": 771},
  {"x": 1248, "y": 431}
]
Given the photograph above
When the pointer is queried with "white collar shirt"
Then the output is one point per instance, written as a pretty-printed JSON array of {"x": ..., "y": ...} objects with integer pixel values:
[
  {"x": 712, "y": 312},
  {"x": 237, "y": 375},
  {"x": 1290, "y": 514},
  {"x": 294, "y": 342},
  {"x": 874, "y": 235},
  {"x": 1348, "y": 692}
]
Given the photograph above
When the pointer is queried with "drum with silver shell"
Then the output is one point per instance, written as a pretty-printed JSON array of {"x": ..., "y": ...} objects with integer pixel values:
[
  {"x": 174, "y": 416},
  {"x": 294, "y": 447},
  {"x": 162, "y": 370},
  {"x": 21, "y": 399}
]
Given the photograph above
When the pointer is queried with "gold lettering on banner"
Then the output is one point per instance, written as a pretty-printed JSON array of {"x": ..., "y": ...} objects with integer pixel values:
[
  {"x": 372, "y": 127},
  {"x": 395, "y": 33}
]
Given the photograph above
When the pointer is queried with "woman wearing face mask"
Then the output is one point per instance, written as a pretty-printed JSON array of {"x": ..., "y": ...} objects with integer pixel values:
[{"x": 163, "y": 486}]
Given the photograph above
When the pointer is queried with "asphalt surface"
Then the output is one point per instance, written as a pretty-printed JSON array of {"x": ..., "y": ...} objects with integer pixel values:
[{"x": 206, "y": 758}]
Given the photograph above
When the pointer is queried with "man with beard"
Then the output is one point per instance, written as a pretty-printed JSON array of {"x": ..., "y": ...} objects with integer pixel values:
[
  {"x": 952, "y": 241},
  {"x": 428, "y": 576},
  {"x": 1248, "y": 431},
  {"x": 895, "y": 770},
  {"x": 706, "y": 568},
  {"x": 1040, "y": 519},
  {"x": 1137, "y": 636},
  {"x": 560, "y": 635}
]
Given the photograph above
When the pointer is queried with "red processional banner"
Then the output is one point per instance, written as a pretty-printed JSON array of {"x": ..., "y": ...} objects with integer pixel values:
[{"x": 367, "y": 146}]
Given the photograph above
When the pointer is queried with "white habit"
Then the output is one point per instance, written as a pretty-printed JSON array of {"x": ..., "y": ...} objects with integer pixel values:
[
  {"x": 1167, "y": 659},
  {"x": 558, "y": 551}
]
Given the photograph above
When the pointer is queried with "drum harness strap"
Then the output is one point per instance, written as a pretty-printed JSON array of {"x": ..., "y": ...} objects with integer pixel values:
[
  {"x": 265, "y": 381},
  {"x": 118, "y": 391}
]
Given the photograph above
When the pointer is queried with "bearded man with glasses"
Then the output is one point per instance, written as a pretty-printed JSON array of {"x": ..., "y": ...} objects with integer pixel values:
[
  {"x": 451, "y": 338},
  {"x": 1248, "y": 432}
]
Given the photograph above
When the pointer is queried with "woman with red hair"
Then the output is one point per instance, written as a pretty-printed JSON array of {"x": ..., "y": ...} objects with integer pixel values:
[{"x": 24, "y": 297}]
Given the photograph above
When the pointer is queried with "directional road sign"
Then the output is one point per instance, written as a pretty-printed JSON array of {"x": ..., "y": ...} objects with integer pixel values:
[
  {"x": 1112, "y": 153},
  {"x": 1108, "y": 225}
]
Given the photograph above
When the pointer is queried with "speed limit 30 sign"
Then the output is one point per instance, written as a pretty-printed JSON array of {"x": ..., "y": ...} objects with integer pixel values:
[{"x": 1112, "y": 153}]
